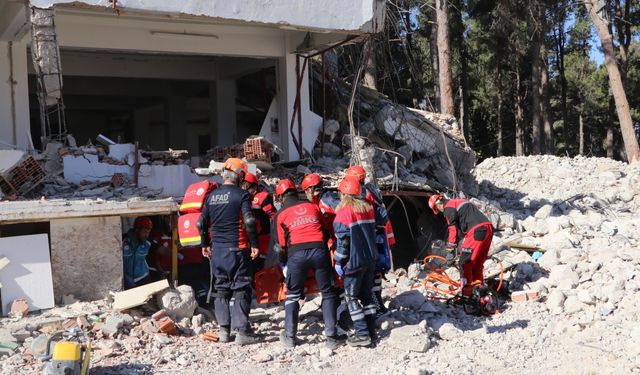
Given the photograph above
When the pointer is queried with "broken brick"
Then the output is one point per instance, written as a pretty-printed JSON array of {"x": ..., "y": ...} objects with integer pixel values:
[
  {"x": 210, "y": 336},
  {"x": 520, "y": 296},
  {"x": 82, "y": 322},
  {"x": 168, "y": 326},
  {"x": 149, "y": 327},
  {"x": 533, "y": 295},
  {"x": 19, "y": 308},
  {"x": 70, "y": 323},
  {"x": 159, "y": 315}
]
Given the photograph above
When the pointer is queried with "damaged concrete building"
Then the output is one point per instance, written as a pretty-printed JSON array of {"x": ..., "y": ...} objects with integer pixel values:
[{"x": 197, "y": 76}]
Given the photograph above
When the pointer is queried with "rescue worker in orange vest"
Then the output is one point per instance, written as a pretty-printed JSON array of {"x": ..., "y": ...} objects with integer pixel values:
[
  {"x": 302, "y": 233},
  {"x": 383, "y": 264},
  {"x": 355, "y": 258},
  {"x": 473, "y": 228},
  {"x": 262, "y": 206},
  {"x": 229, "y": 236},
  {"x": 135, "y": 248}
]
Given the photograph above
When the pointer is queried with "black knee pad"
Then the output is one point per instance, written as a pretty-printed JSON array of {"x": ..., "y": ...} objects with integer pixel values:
[{"x": 465, "y": 256}]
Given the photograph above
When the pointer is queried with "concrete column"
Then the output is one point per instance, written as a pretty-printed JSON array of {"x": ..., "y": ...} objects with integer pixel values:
[
  {"x": 14, "y": 106},
  {"x": 287, "y": 70},
  {"x": 226, "y": 112}
]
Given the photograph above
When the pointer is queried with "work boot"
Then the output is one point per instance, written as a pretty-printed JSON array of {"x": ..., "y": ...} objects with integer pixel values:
[
  {"x": 224, "y": 334},
  {"x": 359, "y": 341},
  {"x": 335, "y": 341},
  {"x": 245, "y": 338},
  {"x": 287, "y": 342}
]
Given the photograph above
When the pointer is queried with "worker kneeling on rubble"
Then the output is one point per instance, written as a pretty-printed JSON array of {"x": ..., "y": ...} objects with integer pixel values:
[
  {"x": 135, "y": 248},
  {"x": 355, "y": 258},
  {"x": 228, "y": 231},
  {"x": 302, "y": 235},
  {"x": 468, "y": 224}
]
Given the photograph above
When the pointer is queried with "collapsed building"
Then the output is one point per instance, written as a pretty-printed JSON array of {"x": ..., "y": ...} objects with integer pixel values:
[{"x": 109, "y": 110}]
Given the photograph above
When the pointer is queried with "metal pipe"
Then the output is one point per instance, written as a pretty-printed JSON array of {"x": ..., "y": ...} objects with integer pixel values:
[{"x": 12, "y": 84}]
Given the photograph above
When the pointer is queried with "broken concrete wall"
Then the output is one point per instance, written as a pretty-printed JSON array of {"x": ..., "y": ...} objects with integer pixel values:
[
  {"x": 87, "y": 167},
  {"x": 86, "y": 257},
  {"x": 172, "y": 179}
]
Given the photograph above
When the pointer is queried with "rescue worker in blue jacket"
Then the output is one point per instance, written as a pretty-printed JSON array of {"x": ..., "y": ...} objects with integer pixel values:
[
  {"x": 383, "y": 263},
  {"x": 135, "y": 248},
  {"x": 229, "y": 237},
  {"x": 355, "y": 258}
]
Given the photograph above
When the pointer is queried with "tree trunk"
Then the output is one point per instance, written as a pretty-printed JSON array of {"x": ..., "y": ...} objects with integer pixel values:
[
  {"x": 464, "y": 73},
  {"x": 623, "y": 28},
  {"x": 560, "y": 51},
  {"x": 548, "y": 144},
  {"x": 444, "y": 58},
  {"x": 615, "y": 82},
  {"x": 519, "y": 115},
  {"x": 535, "y": 28},
  {"x": 610, "y": 124},
  {"x": 581, "y": 132},
  {"x": 499, "y": 151},
  {"x": 433, "y": 54}
]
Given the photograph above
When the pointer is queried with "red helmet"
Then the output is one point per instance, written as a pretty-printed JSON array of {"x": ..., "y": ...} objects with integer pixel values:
[
  {"x": 433, "y": 200},
  {"x": 350, "y": 186},
  {"x": 357, "y": 171},
  {"x": 284, "y": 186},
  {"x": 236, "y": 165},
  {"x": 251, "y": 178},
  {"x": 143, "y": 222},
  {"x": 311, "y": 180}
]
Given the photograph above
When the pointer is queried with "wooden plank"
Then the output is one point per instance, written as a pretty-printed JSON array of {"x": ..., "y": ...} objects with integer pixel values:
[
  {"x": 138, "y": 296},
  {"x": 28, "y": 275}
]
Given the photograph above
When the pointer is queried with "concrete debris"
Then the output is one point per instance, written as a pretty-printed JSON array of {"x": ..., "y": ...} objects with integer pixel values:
[
  {"x": 178, "y": 303},
  {"x": 19, "y": 309},
  {"x": 410, "y": 338}
]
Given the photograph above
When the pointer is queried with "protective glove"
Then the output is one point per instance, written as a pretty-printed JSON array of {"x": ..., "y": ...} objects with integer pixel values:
[
  {"x": 284, "y": 268},
  {"x": 451, "y": 247},
  {"x": 339, "y": 270}
]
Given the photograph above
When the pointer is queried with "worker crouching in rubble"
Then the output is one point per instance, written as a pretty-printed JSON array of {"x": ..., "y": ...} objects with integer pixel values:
[
  {"x": 263, "y": 209},
  {"x": 228, "y": 231},
  {"x": 135, "y": 248},
  {"x": 355, "y": 258},
  {"x": 468, "y": 224},
  {"x": 302, "y": 235},
  {"x": 372, "y": 195}
]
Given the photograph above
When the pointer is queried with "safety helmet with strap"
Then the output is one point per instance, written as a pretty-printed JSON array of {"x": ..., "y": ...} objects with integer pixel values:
[
  {"x": 350, "y": 186},
  {"x": 251, "y": 178},
  {"x": 143, "y": 222},
  {"x": 357, "y": 171},
  {"x": 237, "y": 166},
  {"x": 284, "y": 186},
  {"x": 312, "y": 180},
  {"x": 433, "y": 201}
]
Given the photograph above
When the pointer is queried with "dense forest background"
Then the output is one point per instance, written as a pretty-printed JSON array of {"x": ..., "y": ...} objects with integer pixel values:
[{"x": 521, "y": 76}]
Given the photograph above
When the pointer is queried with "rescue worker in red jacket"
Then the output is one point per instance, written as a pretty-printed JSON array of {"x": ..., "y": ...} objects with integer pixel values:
[
  {"x": 355, "y": 258},
  {"x": 468, "y": 224},
  {"x": 326, "y": 200},
  {"x": 302, "y": 233},
  {"x": 263, "y": 209},
  {"x": 228, "y": 231},
  {"x": 383, "y": 264}
]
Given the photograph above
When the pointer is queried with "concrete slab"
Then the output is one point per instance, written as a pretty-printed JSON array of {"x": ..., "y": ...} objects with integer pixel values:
[
  {"x": 87, "y": 167},
  {"x": 28, "y": 275},
  {"x": 86, "y": 257},
  {"x": 172, "y": 179}
]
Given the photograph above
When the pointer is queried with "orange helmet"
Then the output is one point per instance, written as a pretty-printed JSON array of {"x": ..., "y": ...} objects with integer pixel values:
[
  {"x": 350, "y": 186},
  {"x": 251, "y": 178},
  {"x": 236, "y": 165},
  {"x": 284, "y": 186},
  {"x": 433, "y": 200},
  {"x": 357, "y": 171},
  {"x": 143, "y": 222},
  {"x": 311, "y": 180}
]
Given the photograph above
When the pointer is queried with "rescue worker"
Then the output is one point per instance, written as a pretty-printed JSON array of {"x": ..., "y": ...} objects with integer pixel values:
[
  {"x": 263, "y": 209},
  {"x": 355, "y": 258},
  {"x": 383, "y": 263},
  {"x": 469, "y": 225},
  {"x": 229, "y": 237},
  {"x": 302, "y": 233},
  {"x": 135, "y": 248}
]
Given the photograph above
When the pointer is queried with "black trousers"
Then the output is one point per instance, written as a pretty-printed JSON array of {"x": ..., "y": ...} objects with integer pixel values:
[
  {"x": 232, "y": 273},
  {"x": 298, "y": 265},
  {"x": 359, "y": 299}
]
